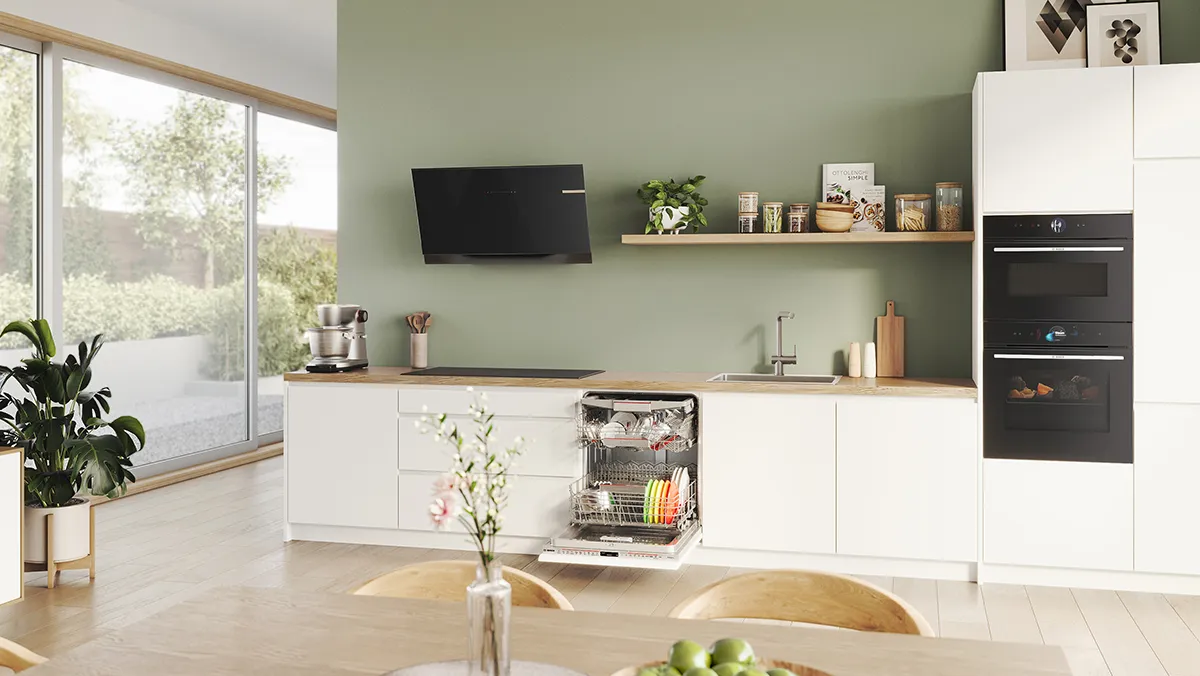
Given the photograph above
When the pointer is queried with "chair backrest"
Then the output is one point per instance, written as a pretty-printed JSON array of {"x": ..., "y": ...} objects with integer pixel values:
[
  {"x": 805, "y": 596},
  {"x": 17, "y": 657},
  {"x": 448, "y": 580}
]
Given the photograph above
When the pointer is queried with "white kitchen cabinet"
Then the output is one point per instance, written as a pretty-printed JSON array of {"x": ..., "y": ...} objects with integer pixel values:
[
  {"x": 1058, "y": 514},
  {"x": 907, "y": 478},
  {"x": 520, "y": 402},
  {"x": 1166, "y": 464},
  {"x": 1166, "y": 102},
  {"x": 537, "y": 506},
  {"x": 768, "y": 472},
  {"x": 341, "y": 450},
  {"x": 12, "y": 488},
  {"x": 1166, "y": 239},
  {"x": 551, "y": 445},
  {"x": 1057, "y": 141}
]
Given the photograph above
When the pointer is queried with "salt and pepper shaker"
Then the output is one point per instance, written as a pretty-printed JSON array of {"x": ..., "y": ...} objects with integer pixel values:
[
  {"x": 854, "y": 361},
  {"x": 869, "y": 365}
]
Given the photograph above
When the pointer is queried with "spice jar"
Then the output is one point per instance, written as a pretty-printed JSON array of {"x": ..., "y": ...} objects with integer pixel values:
[
  {"x": 797, "y": 218},
  {"x": 747, "y": 203},
  {"x": 772, "y": 216},
  {"x": 746, "y": 222},
  {"x": 949, "y": 206},
  {"x": 914, "y": 212}
]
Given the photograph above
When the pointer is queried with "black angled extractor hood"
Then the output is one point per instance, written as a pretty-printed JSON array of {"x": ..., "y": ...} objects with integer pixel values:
[{"x": 535, "y": 214}]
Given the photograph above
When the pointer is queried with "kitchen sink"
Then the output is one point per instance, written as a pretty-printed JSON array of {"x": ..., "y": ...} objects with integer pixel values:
[{"x": 768, "y": 378}]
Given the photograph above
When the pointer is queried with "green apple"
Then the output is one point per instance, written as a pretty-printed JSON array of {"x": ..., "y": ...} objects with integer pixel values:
[
  {"x": 688, "y": 655},
  {"x": 729, "y": 669},
  {"x": 700, "y": 671},
  {"x": 732, "y": 650}
]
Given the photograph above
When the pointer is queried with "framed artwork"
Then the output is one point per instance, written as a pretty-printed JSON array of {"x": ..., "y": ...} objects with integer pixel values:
[
  {"x": 1123, "y": 35},
  {"x": 1042, "y": 34}
]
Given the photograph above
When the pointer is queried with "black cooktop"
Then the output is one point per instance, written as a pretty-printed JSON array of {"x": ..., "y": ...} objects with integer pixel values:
[{"x": 483, "y": 372}]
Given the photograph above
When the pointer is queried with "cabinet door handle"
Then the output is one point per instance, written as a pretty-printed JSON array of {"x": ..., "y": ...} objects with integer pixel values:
[
  {"x": 1058, "y": 249},
  {"x": 1066, "y": 357}
]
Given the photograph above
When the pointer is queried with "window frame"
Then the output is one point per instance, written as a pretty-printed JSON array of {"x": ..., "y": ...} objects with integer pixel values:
[{"x": 22, "y": 44}]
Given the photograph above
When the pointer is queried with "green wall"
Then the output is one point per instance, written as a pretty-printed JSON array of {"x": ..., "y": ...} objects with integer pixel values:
[{"x": 756, "y": 94}]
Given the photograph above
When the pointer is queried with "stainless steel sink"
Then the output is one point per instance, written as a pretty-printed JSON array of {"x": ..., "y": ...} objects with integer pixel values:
[{"x": 768, "y": 378}]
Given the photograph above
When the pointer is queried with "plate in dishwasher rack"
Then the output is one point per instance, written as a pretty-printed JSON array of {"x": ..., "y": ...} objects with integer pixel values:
[{"x": 763, "y": 665}]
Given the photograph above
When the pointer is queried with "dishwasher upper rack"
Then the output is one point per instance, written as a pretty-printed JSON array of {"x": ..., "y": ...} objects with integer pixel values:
[
  {"x": 657, "y": 424},
  {"x": 614, "y": 494}
]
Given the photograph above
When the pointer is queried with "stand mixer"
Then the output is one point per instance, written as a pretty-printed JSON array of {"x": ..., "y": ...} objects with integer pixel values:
[{"x": 340, "y": 343}]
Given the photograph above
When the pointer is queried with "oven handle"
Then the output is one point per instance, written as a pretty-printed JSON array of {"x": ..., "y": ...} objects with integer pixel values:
[
  {"x": 1067, "y": 357},
  {"x": 1058, "y": 249}
]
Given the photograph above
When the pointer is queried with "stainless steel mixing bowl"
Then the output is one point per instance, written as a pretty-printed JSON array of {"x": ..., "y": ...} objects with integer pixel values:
[{"x": 325, "y": 341}]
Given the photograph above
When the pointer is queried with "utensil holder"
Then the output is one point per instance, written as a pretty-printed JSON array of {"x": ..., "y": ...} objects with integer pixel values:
[{"x": 419, "y": 351}]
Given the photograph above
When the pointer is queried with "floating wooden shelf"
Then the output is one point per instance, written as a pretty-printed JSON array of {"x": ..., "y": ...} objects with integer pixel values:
[{"x": 800, "y": 238}]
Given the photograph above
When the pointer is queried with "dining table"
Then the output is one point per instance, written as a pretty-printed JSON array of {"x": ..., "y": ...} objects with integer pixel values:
[{"x": 243, "y": 630}]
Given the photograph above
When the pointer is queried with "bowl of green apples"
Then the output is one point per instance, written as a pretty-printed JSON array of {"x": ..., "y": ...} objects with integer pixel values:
[{"x": 726, "y": 657}]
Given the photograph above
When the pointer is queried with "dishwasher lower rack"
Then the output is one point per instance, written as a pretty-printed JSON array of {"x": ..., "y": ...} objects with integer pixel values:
[{"x": 635, "y": 494}]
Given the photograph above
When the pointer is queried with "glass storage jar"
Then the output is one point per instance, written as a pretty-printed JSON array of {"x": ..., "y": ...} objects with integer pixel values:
[
  {"x": 797, "y": 218},
  {"x": 949, "y": 206},
  {"x": 914, "y": 212},
  {"x": 747, "y": 203},
  {"x": 747, "y": 222},
  {"x": 772, "y": 216}
]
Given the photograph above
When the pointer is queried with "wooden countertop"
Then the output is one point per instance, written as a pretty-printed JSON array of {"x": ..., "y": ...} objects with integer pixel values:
[
  {"x": 951, "y": 388},
  {"x": 268, "y": 631}
]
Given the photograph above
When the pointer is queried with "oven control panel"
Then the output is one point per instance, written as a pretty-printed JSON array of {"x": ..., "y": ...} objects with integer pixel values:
[
  {"x": 1059, "y": 226},
  {"x": 1059, "y": 334}
]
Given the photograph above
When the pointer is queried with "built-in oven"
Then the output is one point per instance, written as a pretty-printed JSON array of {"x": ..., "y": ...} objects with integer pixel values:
[
  {"x": 1058, "y": 391},
  {"x": 1053, "y": 268}
]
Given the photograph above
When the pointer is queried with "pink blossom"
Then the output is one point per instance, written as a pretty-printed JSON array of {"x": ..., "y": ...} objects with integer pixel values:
[
  {"x": 445, "y": 483},
  {"x": 443, "y": 510}
]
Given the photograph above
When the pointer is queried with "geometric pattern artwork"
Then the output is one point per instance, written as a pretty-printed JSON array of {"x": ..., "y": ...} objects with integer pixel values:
[
  {"x": 1058, "y": 22},
  {"x": 1124, "y": 36}
]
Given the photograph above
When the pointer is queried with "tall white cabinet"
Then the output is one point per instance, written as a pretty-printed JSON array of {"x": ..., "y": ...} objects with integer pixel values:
[{"x": 12, "y": 487}]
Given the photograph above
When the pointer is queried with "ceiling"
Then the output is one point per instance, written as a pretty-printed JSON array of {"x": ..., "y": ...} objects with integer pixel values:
[{"x": 303, "y": 30}]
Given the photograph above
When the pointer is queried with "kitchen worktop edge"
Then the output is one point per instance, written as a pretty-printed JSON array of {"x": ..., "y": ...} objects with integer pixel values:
[{"x": 949, "y": 388}]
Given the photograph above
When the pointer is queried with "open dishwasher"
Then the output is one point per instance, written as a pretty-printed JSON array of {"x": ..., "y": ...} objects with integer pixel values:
[{"x": 636, "y": 505}]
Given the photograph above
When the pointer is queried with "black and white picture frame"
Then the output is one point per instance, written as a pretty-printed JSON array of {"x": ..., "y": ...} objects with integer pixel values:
[
  {"x": 1124, "y": 35},
  {"x": 1040, "y": 34}
]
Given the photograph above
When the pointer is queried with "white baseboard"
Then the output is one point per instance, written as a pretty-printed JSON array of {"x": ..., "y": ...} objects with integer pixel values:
[
  {"x": 1116, "y": 580},
  {"x": 406, "y": 538},
  {"x": 834, "y": 563}
]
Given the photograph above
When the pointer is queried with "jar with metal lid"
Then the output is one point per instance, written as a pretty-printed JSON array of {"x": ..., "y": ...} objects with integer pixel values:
[
  {"x": 949, "y": 206},
  {"x": 914, "y": 212},
  {"x": 797, "y": 218},
  {"x": 747, "y": 222},
  {"x": 747, "y": 203},
  {"x": 772, "y": 216}
]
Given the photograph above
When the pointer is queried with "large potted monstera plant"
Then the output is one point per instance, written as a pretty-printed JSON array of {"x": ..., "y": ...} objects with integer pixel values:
[{"x": 50, "y": 409}]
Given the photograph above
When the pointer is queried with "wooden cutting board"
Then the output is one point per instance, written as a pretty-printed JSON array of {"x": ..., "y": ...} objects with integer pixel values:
[{"x": 889, "y": 330}]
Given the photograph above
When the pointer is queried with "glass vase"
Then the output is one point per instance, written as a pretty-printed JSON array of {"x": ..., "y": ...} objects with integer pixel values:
[{"x": 489, "y": 605}]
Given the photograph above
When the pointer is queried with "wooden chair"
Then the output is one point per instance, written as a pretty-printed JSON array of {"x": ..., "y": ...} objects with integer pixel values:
[
  {"x": 805, "y": 596},
  {"x": 18, "y": 657},
  {"x": 448, "y": 580}
]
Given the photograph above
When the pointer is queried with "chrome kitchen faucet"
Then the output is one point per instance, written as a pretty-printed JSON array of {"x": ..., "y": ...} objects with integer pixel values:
[{"x": 779, "y": 358}]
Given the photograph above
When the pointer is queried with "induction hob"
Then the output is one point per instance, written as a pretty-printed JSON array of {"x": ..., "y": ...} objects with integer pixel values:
[{"x": 486, "y": 372}]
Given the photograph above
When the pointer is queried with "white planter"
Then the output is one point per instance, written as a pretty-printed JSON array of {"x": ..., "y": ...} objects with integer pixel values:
[
  {"x": 72, "y": 532},
  {"x": 672, "y": 218}
]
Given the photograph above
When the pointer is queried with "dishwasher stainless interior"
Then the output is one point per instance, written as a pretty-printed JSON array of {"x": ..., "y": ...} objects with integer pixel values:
[{"x": 636, "y": 504}]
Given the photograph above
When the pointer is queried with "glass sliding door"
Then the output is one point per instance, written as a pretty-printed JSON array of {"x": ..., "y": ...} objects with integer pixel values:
[
  {"x": 154, "y": 223},
  {"x": 297, "y": 249},
  {"x": 18, "y": 192}
]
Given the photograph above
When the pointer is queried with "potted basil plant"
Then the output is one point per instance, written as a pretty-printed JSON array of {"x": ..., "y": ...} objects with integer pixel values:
[
  {"x": 47, "y": 408},
  {"x": 674, "y": 206}
]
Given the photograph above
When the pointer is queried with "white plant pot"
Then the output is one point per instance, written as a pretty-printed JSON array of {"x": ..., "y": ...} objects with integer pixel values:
[
  {"x": 72, "y": 532},
  {"x": 672, "y": 218}
]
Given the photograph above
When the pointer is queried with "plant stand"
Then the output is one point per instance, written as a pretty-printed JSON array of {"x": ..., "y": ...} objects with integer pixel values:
[{"x": 52, "y": 567}]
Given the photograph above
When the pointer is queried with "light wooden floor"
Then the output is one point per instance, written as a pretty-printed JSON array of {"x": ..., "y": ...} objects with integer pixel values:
[{"x": 161, "y": 547}]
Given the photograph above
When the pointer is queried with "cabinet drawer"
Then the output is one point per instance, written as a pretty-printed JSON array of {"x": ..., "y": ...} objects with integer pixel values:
[
  {"x": 506, "y": 401},
  {"x": 551, "y": 446},
  {"x": 537, "y": 506}
]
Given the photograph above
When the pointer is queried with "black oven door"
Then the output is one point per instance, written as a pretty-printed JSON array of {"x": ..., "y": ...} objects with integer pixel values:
[
  {"x": 1082, "y": 280},
  {"x": 1058, "y": 404}
]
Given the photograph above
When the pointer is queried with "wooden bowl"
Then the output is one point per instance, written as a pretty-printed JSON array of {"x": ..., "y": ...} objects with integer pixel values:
[
  {"x": 797, "y": 669},
  {"x": 834, "y": 206},
  {"x": 835, "y": 221}
]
